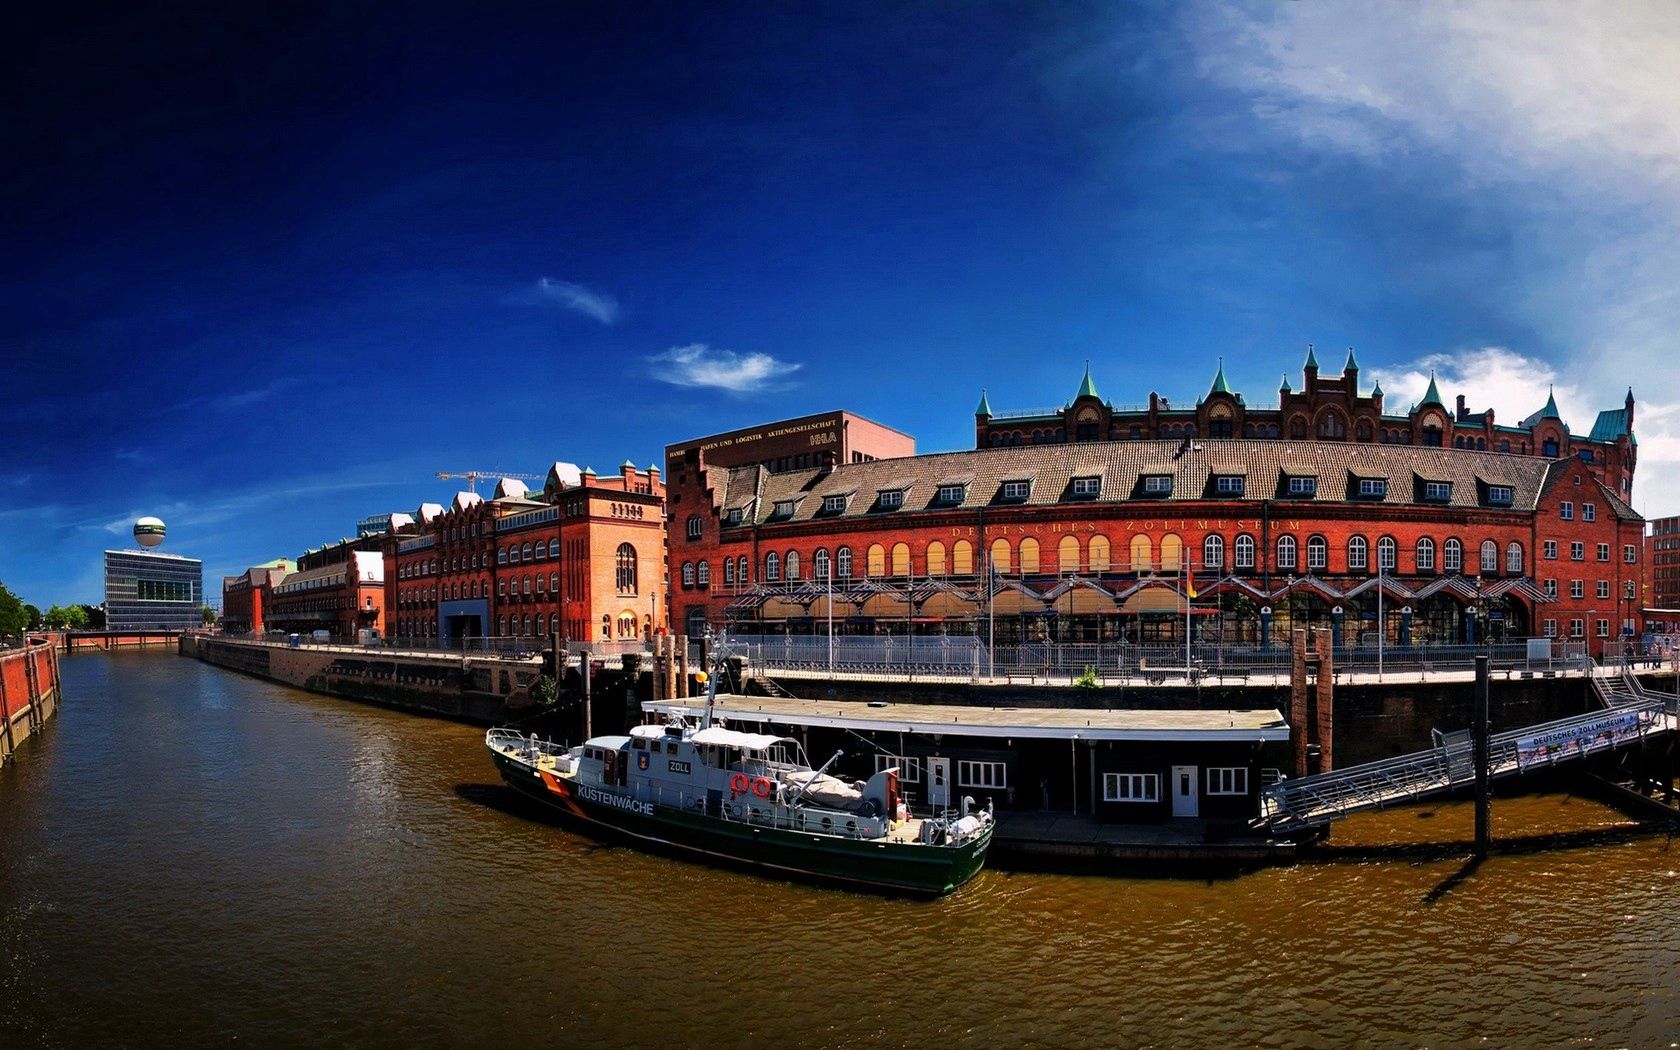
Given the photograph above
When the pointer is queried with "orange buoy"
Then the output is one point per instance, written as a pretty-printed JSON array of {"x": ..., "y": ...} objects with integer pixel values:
[
  {"x": 761, "y": 787},
  {"x": 738, "y": 783}
]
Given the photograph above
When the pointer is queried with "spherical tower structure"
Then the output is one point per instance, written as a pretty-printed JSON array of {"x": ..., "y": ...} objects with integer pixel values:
[{"x": 149, "y": 532}]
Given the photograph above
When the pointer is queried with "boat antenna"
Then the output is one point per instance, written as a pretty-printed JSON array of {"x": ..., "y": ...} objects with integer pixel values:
[{"x": 718, "y": 658}]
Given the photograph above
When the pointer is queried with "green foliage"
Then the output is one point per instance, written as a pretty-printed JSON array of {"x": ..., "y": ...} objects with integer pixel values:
[
  {"x": 546, "y": 692},
  {"x": 34, "y": 615},
  {"x": 95, "y": 616},
  {"x": 14, "y": 620},
  {"x": 1087, "y": 680},
  {"x": 208, "y": 615}
]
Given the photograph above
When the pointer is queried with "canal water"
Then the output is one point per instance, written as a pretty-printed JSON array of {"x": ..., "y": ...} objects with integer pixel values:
[{"x": 194, "y": 857}]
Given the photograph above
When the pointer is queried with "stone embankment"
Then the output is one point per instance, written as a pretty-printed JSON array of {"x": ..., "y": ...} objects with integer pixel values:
[{"x": 30, "y": 693}]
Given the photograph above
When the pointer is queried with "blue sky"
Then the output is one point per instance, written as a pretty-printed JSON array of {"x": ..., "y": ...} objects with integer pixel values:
[{"x": 262, "y": 274}]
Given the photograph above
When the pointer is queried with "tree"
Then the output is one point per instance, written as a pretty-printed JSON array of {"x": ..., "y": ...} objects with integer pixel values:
[
  {"x": 208, "y": 615},
  {"x": 95, "y": 616},
  {"x": 13, "y": 619},
  {"x": 75, "y": 618},
  {"x": 54, "y": 618},
  {"x": 34, "y": 615}
]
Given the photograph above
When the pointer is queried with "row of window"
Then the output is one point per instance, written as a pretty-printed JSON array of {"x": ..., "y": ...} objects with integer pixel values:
[
  {"x": 1566, "y": 511},
  {"x": 1577, "y": 628},
  {"x": 1601, "y": 589},
  {"x": 1578, "y": 551},
  {"x": 1146, "y": 787}
]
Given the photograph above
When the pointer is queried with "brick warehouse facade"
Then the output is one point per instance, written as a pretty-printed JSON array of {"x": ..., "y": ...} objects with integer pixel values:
[
  {"x": 1662, "y": 560},
  {"x": 585, "y": 555},
  {"x": 1095, "y": 536}
]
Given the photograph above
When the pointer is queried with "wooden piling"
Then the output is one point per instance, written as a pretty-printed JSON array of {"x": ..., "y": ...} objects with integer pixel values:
[{"x": 1479, "y": 752}]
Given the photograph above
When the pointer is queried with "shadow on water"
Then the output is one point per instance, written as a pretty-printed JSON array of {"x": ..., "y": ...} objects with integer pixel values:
[
  {"x": 1452, "y": 882},
  {"x": 1512, "y": 846}
]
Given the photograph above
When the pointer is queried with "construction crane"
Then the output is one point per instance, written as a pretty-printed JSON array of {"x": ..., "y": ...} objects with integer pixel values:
[{"x": 472, "y": 476}]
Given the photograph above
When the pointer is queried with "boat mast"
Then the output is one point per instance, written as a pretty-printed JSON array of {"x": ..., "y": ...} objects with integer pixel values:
[{"x": 712, "y": 684}]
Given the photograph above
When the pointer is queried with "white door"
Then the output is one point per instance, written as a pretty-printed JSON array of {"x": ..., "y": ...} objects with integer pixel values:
[
  {"x": 1184, "y": 791},
  {"x": 939, "y": 782}
]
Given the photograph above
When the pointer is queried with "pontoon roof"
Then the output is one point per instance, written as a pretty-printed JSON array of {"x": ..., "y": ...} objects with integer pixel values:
[{"x": 717, "y": 736}]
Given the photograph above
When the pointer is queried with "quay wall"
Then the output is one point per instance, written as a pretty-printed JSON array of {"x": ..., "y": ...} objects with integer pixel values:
[
  {"x": 30, "y": 693},
  {"x": 105, "y": 641},
  {"x": 481, "y": 690}
]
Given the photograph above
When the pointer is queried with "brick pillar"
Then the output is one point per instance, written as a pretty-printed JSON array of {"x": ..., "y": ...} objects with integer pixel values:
[
  {"x": 1298, "y": 700},
  {"x": 1324, "y": 721}
]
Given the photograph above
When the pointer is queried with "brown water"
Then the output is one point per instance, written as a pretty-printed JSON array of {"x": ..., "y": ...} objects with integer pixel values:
[{"x": 191, "y": 857}]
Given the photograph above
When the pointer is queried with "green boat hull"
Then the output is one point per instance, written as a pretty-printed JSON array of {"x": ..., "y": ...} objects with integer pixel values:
[{"x": 884, "y": 867}]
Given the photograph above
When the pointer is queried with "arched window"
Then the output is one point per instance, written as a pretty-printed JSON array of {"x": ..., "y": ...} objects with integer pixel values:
[
  {"x": 741, "y": 570},
  {"x": 936, "y": 559},
  {"x": 541, "y": 585},
  {"x": 554, "y": 582},
  {"x": 962, "y": 558},
  {"x": 728, "y": 571},
  {"x": 1142, "y": 554},
  {"x": 1067, "y": 555},
  {"x": 688, "y": 574},
  {"x": 542, "y": 624},
  {"x": 1000, "y": 556},
  {"x": 693, "y": 526},
  {"x": 703, "y": 573},
  {"x": 554, "y": 548},
  {"x": 1029, "y": 556},
  {"x": 1362, "y": 430},
  {"x": 772, "y": 567},
  {"x": 525, "y": 552},
  {"x": 790, "y": 565},
  {"x": 875, "y": 563},
  {"x": 1490, "y": 556},
  {"x": 1318, "y": 554},
  {"x": 1243, "y": 551},
  {"x": 1426, "y": 555},
  {"x": 527, "y": 585},
  {"x": 1213, "y": 552},
  {"x": 501, "y": 588},
  {"x": 1514, "y": 558},
  {"x": 501, "y": 625},
  {"x": 1097, "y": 551},
  {"x": 1298, "y": 428},
  {"x": 1172, "y": 552},
  {"x": 1358, "y": 554},
  {"x": 819, "y": 563},
  {"x": 1286, "y": 553},
  {"x": 1332, "y": 427},
  {"x": 843, "y": 563},
  {"x": 626, "y": 574},
  {"x": 901, "y": 559},
  {"x": 1387, "y": 554}
]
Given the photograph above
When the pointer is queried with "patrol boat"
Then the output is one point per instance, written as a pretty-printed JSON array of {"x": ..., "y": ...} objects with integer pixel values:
[{"x": 716, "y": 793}]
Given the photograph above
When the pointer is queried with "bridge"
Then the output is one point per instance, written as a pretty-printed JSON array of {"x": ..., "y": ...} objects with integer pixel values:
[{"x": 1631, "y": 714}]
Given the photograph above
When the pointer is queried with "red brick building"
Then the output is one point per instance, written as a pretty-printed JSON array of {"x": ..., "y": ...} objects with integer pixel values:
[
  {"x": 585, "y": 555},
  {"x": 1661, "y": 592},
  {"x": 340, "y": 595},
  {"x": 247, "y": 596},
  {"x": 1096, "y": 536}
]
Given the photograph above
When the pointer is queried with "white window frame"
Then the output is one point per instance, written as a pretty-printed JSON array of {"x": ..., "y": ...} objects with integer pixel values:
[
  {"x": 1131, "y": 787},
  {"x": 1088, "y": 486},
  {"x": 1358, "y": 554},
  {"x": 1373, "y": 488},
  {"x": 694, "y": 526},
  {"x": 1227, "y": 780},
  {"x": 1602, "y": 590},
  {"x": 1578, "y": 551},
  {"x": 890, "y": 499},
  {"x": 909, "y": 769},
  {"x": 1589, "y": 512},
  {"x": 1548, "y": 550},
  {"x": 1424, "y": 554},
  {"x": 1603, "y": 552},
  {"x": 1242, "y": 552},
  {"x": 1288, "y": 564},
  {"x": 1549, "y": 628},
  {"x": 1629, "y": 589},
  {"x": 1577, "y": 628},
  {"x": 1566, "y": 510},
  {"x": 1577, "y": 589},
  {"x": 834, "y": 504},
  {"x": 1437, "y": 491},
  {"x": 1230, "y": 485},
  {"x": 1630, "y": 553},
  {"x": 1303, "y": 485},
  {"x": 1318, "y": 553},
  {"x": 982, "y": 773},
  {"x": 952, "y": 493},
  {"x": 1602, "y": 628},
  {"x": 1157, "y": 484},
  {"x": 1017, "y": 489},
  {"x": 1500, "y": 494}
]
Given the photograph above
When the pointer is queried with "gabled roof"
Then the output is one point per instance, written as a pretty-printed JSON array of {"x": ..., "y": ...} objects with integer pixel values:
[{"x": 1610, "y": 425}]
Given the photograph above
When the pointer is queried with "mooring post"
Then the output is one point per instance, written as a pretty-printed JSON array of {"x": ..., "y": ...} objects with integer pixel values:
[
  {"x": 588, "y": 713},
  {"x": 1479, "y": 751}
]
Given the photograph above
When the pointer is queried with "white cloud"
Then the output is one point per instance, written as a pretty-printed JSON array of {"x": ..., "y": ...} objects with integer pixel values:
[
  {"x": 1493, "y": 377},
  {"x": 699, "y": 365},
  {"x": 575, "y": 297}
]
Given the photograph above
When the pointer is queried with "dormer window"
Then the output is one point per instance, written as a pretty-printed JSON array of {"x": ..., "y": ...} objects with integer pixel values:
[
  {"x": 1373, "y": 488},
  {"x": 783, "y": 508},
  {"x": 734, "y": 516},
  {"x": 1157, "y": 484},
  {"x": 1437, "y": 491},
  {"x": 890, "y": 499},
  {"x": 1230, "y": 485},
  {"x": 1086, "y": 487},
  {"x": 1017, "y": 490},
  {"x": 1500, "y": 495},
  {"x": 1303, "y": 486},
  {"x": 834, "y": 504},
  {"x": 952, "y": 494}
]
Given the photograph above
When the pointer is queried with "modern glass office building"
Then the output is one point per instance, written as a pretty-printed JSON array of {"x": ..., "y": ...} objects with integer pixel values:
[{"x": 150, "y": 590}]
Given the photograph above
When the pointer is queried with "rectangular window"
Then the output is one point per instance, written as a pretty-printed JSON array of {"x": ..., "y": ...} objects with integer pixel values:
[
  {"x": 1628, "y": 590},
  {"x": 1373, "y": 488},
  {"x": 1566, "y": 510},
  {"x": 735, "y": 516},
  {"x": 1577, "y": 551},
  {"x": 1550, "y": 628},
  {"x": 891, "y": 499},
  {"x": 1437, "y": 491},
  {"x": 1223, "y": 780},
  {"x": 1603, "y": 589},
  {"x": 1603, "y": 552},
  {"x": 1131, "y": 787},
  {"x": 1629, "y": 554},
  {"x": 1549, "y": 548},
  {"x": 1087, "y": 486},
  {"x": 1500, "y": 495},
  {"x": 1303, "y": 486},
  {"x": 1230, "y": 484},
  {"x": 1604, "y": 628},
  {"x": 1577, "y": 628},
  {"x": 1589, "y": 512},
  {"x": 1551, "y": 588},
  {"x": 982, "y": 774},
  {"x": 952, "y": 493},
  {"x": 834, "y": 504},
  {"x": 1577, "y": 588},
  {"x": 1017, "y": 489},
  {"x": 909, "y": 769},
  {"x": 1158, "y": 484}
]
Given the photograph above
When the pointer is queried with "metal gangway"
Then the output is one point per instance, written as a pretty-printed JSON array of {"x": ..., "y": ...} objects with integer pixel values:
[{"x": 1632, "y": 714}]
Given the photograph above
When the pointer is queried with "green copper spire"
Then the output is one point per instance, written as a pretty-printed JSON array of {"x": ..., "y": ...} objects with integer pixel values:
[
  {"x": 1312, "y": 361},
  {"x": 1551, "y": 409},
  {"x": 1352, "y": 365},
  {"x": 985, "y": 407},
  {"x": 1219, "y": 384},
  {"x": 1376, "y": 391},
  {"x": 1432, "y": 396},
  {"x": 1285, "y": 387},
  {"x": 1087, "y": 388}
]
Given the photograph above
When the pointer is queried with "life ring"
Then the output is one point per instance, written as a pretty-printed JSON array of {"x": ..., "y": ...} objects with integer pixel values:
[
  {"x": 738, "y": 783},
  {"x": 761, "y": 787}
]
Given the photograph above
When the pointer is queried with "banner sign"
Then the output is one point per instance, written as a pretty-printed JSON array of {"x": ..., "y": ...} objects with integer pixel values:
[{"x": 1574, "y": 741}]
